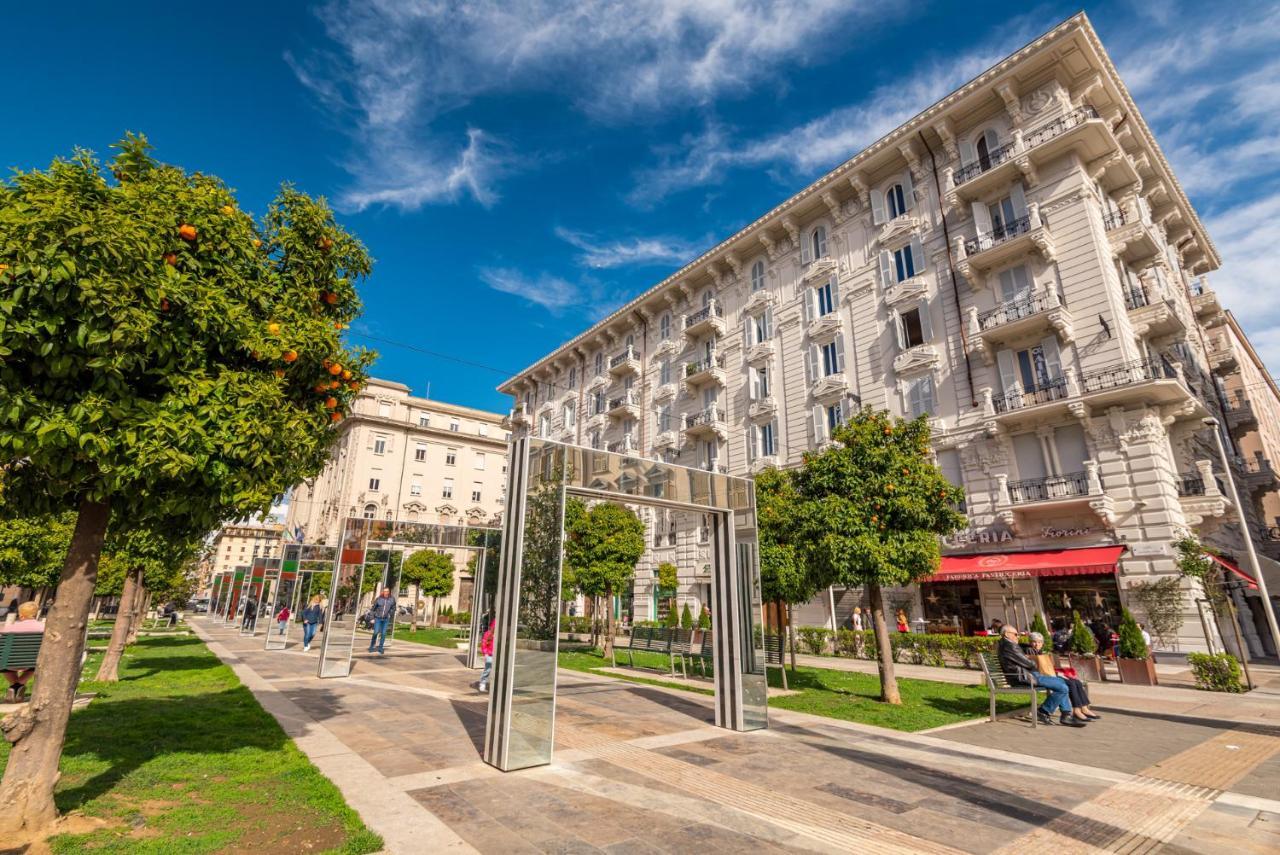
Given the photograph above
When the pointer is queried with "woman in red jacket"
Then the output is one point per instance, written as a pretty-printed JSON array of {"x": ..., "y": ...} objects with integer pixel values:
[{"x": 486, "y": 648}]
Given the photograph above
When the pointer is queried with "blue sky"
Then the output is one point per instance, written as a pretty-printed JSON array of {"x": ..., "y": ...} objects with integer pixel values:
[{"x": 520, "y": 168}]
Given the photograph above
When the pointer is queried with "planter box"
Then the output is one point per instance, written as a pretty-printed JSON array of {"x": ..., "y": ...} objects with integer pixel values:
[
  {"x": 1139, "y": 672},
  {"x": 1088, "y": 667}
]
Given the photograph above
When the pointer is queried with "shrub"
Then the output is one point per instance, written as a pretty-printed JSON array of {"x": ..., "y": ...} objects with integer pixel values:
[
  {"x": 704, "y": 620},
  {"x": 1215, "y": 672},
  {"x": 461, "y": 618},
  {"x": 1082, "y": 641},
  {"x": 686, "y": 617},
  {"x": 1132, "y": 645},
  {"x": 1038, "y": 625},
  {"x": 672, "y": 619},
  {"x": 814, "y": 638}
]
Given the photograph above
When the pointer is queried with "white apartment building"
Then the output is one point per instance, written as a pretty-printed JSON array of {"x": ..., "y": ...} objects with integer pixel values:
[
  {"x": 409, "y": 459},
  {"x": 238, "y": 544},
  {"x": 1018, "y": 262}
]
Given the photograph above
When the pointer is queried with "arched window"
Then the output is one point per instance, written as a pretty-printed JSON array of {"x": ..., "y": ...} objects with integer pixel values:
[
  {"x": 819, "y": 242},
  {"x": 896, "y": 200},
  {"x": 664, "y": 326},
  {"x": 600, "y": 363},
  {"x": 706, "y": 298},
  {"x": 986, "y": 144},
  {"x": 631, "y": 340},
  {"x": 390, "y": 515},
  {"x": 757, "y": 276},
  {"x": 370, "y": 511}
]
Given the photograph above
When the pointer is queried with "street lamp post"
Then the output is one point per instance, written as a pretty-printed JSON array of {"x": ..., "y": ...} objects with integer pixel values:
[{"x": 1212, "y": 424}]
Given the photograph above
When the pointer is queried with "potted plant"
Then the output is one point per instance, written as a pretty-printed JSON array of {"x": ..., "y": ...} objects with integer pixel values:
[
  {"x": 1083, "y": 649},
  {"x": 1134, "y": 658}
]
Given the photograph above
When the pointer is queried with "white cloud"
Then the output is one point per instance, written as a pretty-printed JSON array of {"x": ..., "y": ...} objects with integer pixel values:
[
  {"x": 551, "y": 292},
  {"x": 637, "y": 251},
  {"x": 397, "y": 67},
  {"x": 818, "y": 144}
]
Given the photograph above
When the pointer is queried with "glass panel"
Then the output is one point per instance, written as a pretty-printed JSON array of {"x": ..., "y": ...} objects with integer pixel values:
[
  {"x": 234, "y": 601},
  {"x": 755, "y": 684},
  {"x": 282, "y": 597}
]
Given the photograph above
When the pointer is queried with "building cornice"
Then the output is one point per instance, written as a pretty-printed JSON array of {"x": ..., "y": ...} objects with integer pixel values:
[
  {"x": 444, "y": 434},
  {"x": 851, "y": 171}
]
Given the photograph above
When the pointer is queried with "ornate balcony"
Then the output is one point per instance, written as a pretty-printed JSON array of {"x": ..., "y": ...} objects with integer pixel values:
[
  {"x": 708, "y": 319},
  {"x": 706, "y": 424},
  {"x": 1014, "y": 318},
  {"x": 626, "y": 362},
  {"x": 976, "y": 255},
  {"x": 519, "y": 417},
  {"x": 761, "y": 351},
  {"x": 762, "y": 408},
  {"x": 767, "y": 461},
  {"x": 1053, "y": 493},
  {"x": 1256, "y": 474},
  {"x": 1132, "y": 238},
  {"x": 704, "y": 371},
  {"x": 914, "y": 288},
  {"x": 1239, "y": 412},
  {"x": 665, "y": 392},
  {"x": 1028, "y": 150},
  {"x": 1222, "y": 356},
  {"x": 666, "y": 439},
  {"x": 819, "y": 270},
  {"x": 824, "y": 327},
  {"x": 1151, "y": 316},
  {"x": 1202, "y": 494},
  {"x": 1205, "y": 303},
  {"x": 1152, "y": 381},
  {"x": 626, "y": 445},
  {"x": 922, "y": 357},
  {"x": 625, "y": 406}
]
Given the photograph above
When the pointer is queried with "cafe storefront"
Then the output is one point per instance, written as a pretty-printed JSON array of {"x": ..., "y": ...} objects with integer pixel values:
[{"x": 970, "y": 591}]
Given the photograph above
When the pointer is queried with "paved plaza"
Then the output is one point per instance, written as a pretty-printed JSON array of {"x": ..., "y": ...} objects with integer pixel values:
[{"x": 641, "y": 769}]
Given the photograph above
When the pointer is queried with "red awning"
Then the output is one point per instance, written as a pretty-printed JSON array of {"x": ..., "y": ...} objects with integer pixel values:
[
  {"x": 1253, "y": 586},
  {"x": 1028, "y": 565}
]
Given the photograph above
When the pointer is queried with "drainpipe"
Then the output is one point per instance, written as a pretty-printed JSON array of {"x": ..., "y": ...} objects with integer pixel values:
[{"x": 951, "y": 265}]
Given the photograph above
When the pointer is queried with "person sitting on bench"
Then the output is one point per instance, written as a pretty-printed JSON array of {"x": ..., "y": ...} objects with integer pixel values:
[
  {"x": 26, "y": 622},
  {"x": 1021, "y": 671}
]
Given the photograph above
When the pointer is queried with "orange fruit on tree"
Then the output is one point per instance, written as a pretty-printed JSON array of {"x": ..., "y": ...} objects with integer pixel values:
[
  {"x": 319, "y": 387},
  {"x": 228, "y": 210},
  {"x": 346, "y": 375},
  {"x": 335, "y": 369},
  {"x": 273, "y": 328},
  {"x": 164, "y": 305},
  {"x": 279, "y": 372},
  {"x": 330, "y": 297},
  {"x": 290, "y": 356},
  {"x": 257, "y": 242},
  {"x": 335, "y": 417},
  {"x": 170, "y": 259},
  {"x": 186, "y": 231},
  {"x": 331, "y": 402},
  {"x": 354, "y": 387},
  {"x": 334, "y": 384},
  {"x": 326, "y": 243}
]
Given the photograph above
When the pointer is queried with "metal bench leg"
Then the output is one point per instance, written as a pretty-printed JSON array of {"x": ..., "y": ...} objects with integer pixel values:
[
  {"x": 1035, "y": 719},
  {"x": 991, "y": 694}
]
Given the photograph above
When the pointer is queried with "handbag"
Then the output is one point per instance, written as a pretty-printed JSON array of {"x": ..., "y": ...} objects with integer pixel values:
[{"x": 1044, "y": 664}]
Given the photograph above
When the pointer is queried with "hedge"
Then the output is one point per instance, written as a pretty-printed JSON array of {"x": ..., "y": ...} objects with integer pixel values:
[
  {"x": 1215, "y": 672},
  {"x": 915, "y": 648}
]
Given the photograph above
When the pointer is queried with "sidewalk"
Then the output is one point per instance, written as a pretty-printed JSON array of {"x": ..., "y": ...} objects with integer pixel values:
[{"x": 641, "y": 769}]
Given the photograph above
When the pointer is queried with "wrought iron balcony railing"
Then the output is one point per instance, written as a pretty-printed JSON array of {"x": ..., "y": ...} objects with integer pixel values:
[
  {"x": 1127, "y": 374},
  {"x": 1040, "y": 135},
  {"x": 1048, "y": 488},
  {"x": 1014, "y": 310},
  {"x": 999, "y": 235},
  {"x": 1052, "y": 390}
]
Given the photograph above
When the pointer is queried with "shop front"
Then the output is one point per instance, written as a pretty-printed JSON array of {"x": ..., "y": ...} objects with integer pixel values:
[{"x": 970, "y": 591}]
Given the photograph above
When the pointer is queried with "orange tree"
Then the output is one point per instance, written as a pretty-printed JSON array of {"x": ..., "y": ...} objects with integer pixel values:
[
  {"x": 869, "y": 513},
  {"x": 786, "y": 577},
  {"x": 162, "y": 355}
]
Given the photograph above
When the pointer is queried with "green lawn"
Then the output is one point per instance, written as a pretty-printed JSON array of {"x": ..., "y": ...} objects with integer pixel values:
[
  {"x": 844, "y": 695},
  {"x": 428, "y": 635},
  {"x": 178, "y": 757}
]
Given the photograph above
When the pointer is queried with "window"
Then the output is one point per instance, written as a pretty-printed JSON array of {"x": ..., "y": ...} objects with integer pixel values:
[
  {"x": 920, "y": 396},
  {"x": 482, "y": 429},
  {"x": 757, "y": 275},
  {"x": 824, "y": 360},
  {"x": 420, "y": 453},
  {"x": 664, "y": 419},
  {"x": 379, "y": 445},
  {"x": 453, "y": 425},
  {"x": 904, "y": 263},
  {"x": 664, "y": 326},
  {"x": 450, "y": 456},
  {"x": 1015, "y": 285},
  {"x": 369, "y": 512},
  {"x": 825, "y": 298},
  {"x": 595, "y": 440},
  {"x": 573, "y": 377},
  {"x": 706, "y": 298},
  {"x": 544, "y": 425},
  {"x": 911, "y": 328},
  {"x": 759, "y": 383},
  {"x": 570, "y": 416},
  {"x": 384, "y": 409},
  {"x": 986, "y": 144},
  {"x": 478, "y": 461},
  {"x": 600, "y": 363},
  {"x": 1002, "y": 214},
  {"x": 375, "y": 484},
  {"x": 446, "y": 491},
  {"x": 424, "y": 420},
  {"x": 415, "y": 488},
  {"x": 476, "y": 486},
  {"x": 819, "y": 242},
  {"x": 835, "y": 417},
  {"x": 761, "y": 329},
  {"x": 664, "y": 372},
  {"x": 830, "y": 359},
  {"x": 895, "y": 199},
  {"x": 597, "y": 403},
  {"x": 765, "y": 445}
]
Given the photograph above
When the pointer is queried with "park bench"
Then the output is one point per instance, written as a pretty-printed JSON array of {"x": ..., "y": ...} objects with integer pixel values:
[
  {"x": 702, "y": 652},
  {"x": 998, "y": 684},
  {"x": 682, "y": 646},
  {"x": 647, "y": 639},
  {"x": 19, "y": 650},
  {"x": 774, "y": 657}
]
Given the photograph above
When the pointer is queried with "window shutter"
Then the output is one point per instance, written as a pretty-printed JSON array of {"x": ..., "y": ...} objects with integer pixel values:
[
  {"x": 1008, "y": 372},
  {"x": 908, "y": 192},
  {"x": 839, "y": 353},
  {"x": 1019, "y": 199},
  {"x": 806, "y": 304},
  {"x": 913, "y": 398},
  {"x": 886, "y": 269},
  {"x": 918, "y": 255},
  {"x": 835, "y": 292},
  {"x": 819, "y": 420},
  {"x": 896, "y": 319},
  {"x": 1052, "y": 357},
  {"x": 926, "y": 324},
  {"x": 968, "y": 154},
  {"x": 877, "y": 207},
  {"x": 926, "y": 394},
  {"x": 768, "y": 323},
  {"x": 981, "y": 218},
  {"x": 805, "y": 254},
  {"x": 848, "y": 407},
  {"x": 754, "y": 385},
  {"x": 747, "y": 323},
  {"x": 811, "y": 364}
]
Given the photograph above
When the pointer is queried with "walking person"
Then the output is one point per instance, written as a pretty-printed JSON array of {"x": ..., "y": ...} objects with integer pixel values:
[
  {"x": 486, "y": 648},
  {"x": 250, "y": 619},
  {"x": 1021, "y": 671},
  {"x": 282, "y": 619},
  {"x": 382, "y": 612},
  {"x": 312, "y": 617}
]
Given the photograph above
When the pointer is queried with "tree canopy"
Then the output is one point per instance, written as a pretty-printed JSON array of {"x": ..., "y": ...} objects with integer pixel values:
[
  {"x": 604, "y": 544},
  {"x": 432, "y": 572}
]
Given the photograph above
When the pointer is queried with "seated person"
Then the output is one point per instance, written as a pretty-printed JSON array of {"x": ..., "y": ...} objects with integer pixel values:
[
  {"x": 26, "y": 622},
  {"x": 1061, "y": 636},
  {"x": 1021, "y": 671},
  {"x": 1077, "y": 691}
]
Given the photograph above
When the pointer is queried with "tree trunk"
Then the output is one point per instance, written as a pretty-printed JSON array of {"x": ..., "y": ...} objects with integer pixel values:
[
  {"x": 608, "y": 634},
  {"x": 791, "y": 635},
  {"x": 888, "y": 682},
  {"x": 38, "y": 730},
  {"x": 435, "y": 609},
  {"x": 417, "y": 604},
  {"x": 109, "y": 669},
  {"x": 139, "y": 611}
]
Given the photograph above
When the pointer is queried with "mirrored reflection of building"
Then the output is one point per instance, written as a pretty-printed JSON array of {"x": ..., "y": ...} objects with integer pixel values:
[{"x": 1019, "y": 264}]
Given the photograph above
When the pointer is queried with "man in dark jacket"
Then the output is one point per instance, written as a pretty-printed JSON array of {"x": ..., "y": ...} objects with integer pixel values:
[
  {"x": 1021, "y": 670},
  {"x": 384, "y": 609}
]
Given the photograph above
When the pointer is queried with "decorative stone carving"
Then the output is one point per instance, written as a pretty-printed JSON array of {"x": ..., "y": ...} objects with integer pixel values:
[
  {"x": 946, "y": 130},
  {"x": 924, "y": 357},
  {"x": 1012, "y": 105},
  {"x": 770, "y": 246},
  {"x": 898, "y": 228},
  {"x": 1037, "y": 101},
  {"x": 829, "y": 387},
  {"x": 734, "y": 264},
  {"x": 914, "y": 288},
  {"x": 759, "y": 301},
  {"x": 833, "y": 205}
]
